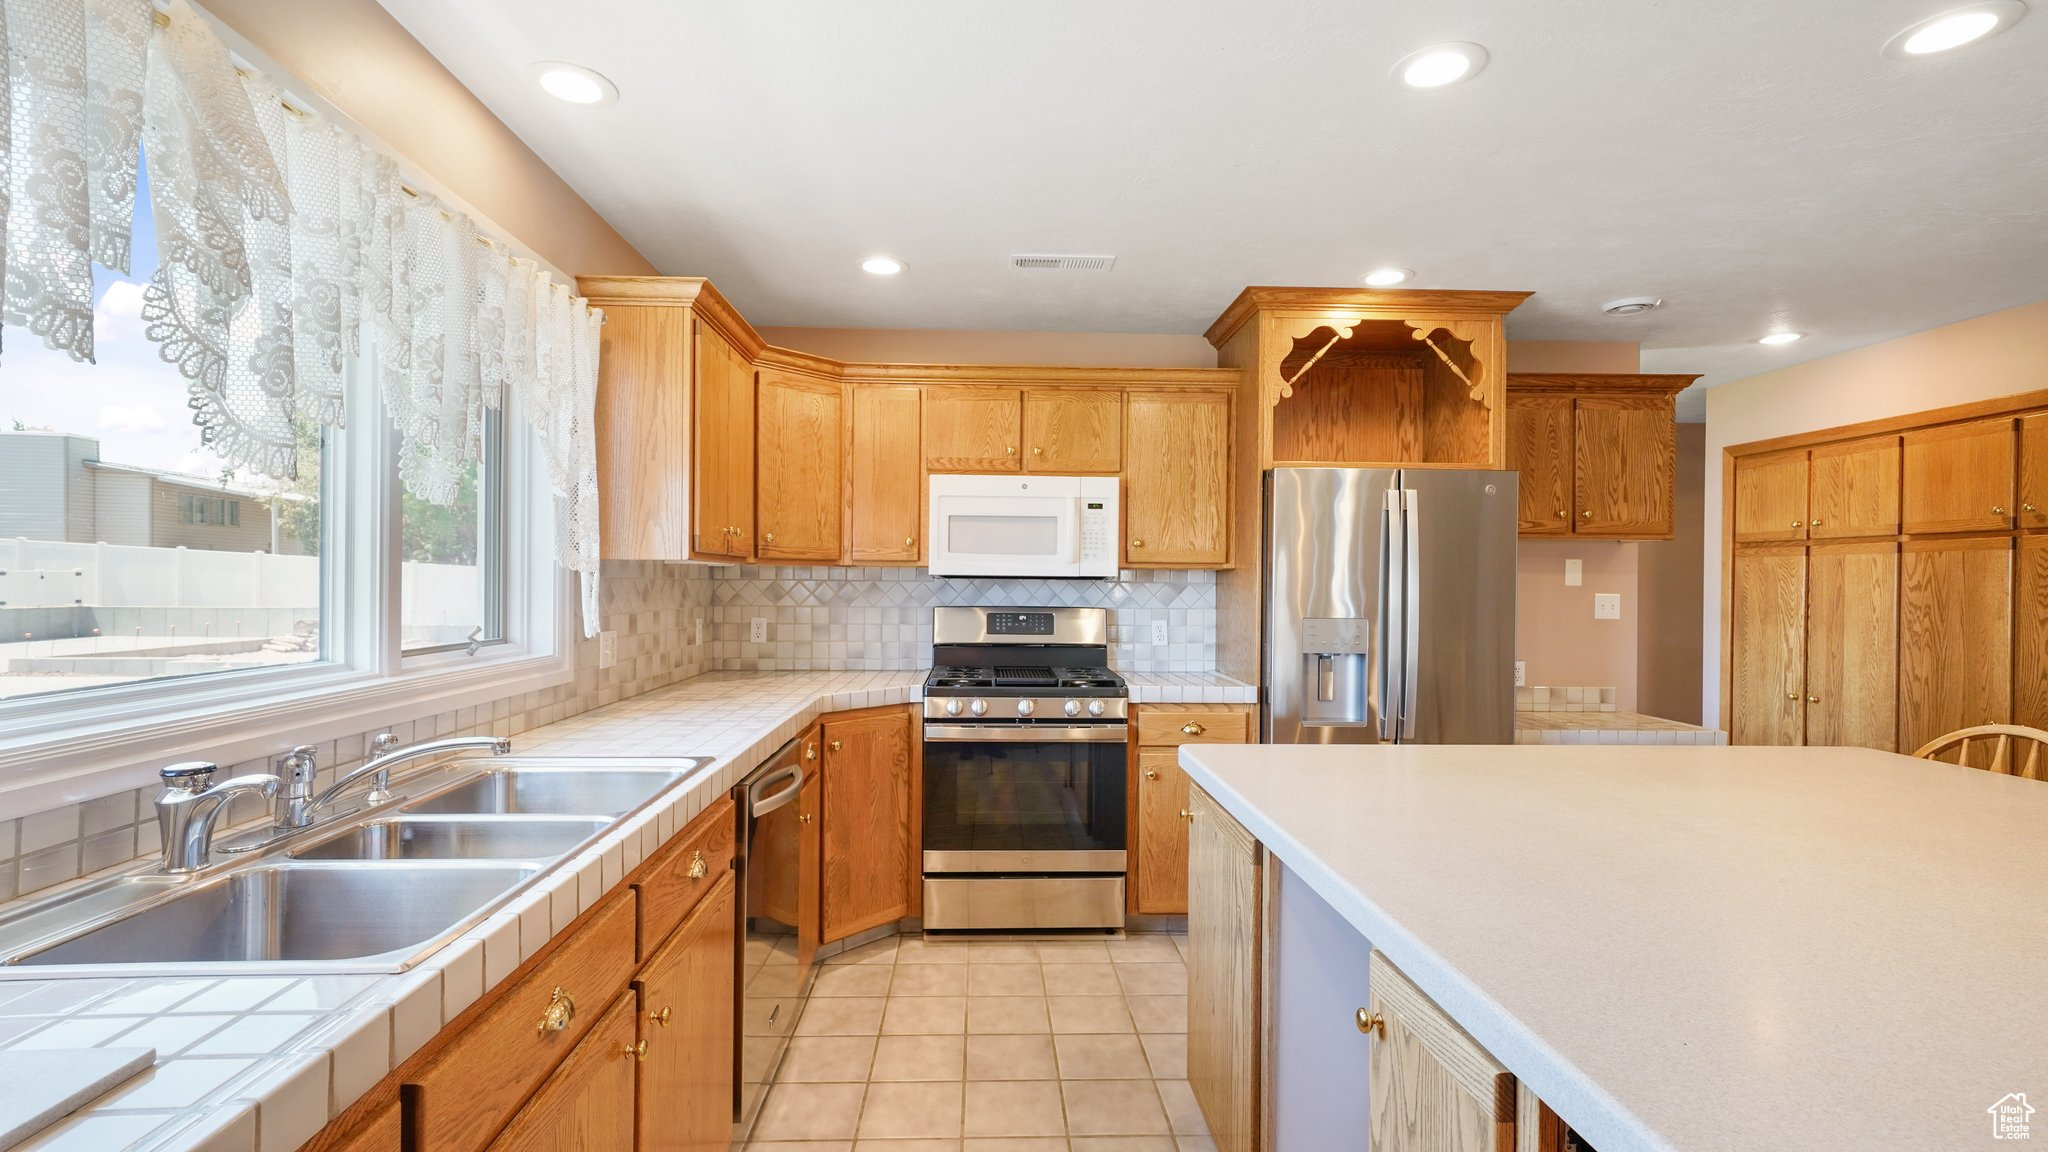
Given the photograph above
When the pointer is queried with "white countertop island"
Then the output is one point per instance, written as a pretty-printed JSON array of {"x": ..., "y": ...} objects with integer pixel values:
[{"x": 1692, "y": 948}]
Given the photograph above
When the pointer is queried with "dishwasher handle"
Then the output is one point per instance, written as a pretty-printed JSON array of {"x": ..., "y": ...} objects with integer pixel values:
[{"x": 760, "y": 804}]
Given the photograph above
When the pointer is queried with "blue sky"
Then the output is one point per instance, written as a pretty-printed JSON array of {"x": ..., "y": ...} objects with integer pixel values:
[{"x": 131, "y": 401}]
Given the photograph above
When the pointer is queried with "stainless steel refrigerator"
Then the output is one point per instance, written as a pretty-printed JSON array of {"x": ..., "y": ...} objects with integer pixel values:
[{"x": 1390, "y": 606}]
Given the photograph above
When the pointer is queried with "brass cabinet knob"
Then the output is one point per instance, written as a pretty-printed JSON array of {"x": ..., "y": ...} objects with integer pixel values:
[
  {"x": 1791, "y": 695},
  {"x": 810, "y": 751},
  {"x": 1813, "y": 699},
  {"x": 1797, "y": 524},
  {"x": 660, "y": 1017},
  {"x": 768, "y": 538},
  {"x": 635, "y": 1052},
  {"x": 834, "y": 745},
  {"x": 1561, "y": 514},
  {"x": 1372, "y": 1023},
  {"x": 1010, "y": 451},
  {"x": 1186, "y": 815},
  {"x": 1151, "y": 774},
  {"x": 1137, "y": 543},
  {"x": 1038, "y": 451},
  {"x": 697, "y": 867},
  {"x": 1998, "y": 509},
  {"x": 556, "y": 1016},
  {"x": 909, "y": 540},
  {"x": 1815, "y": 522},
  {"x": 1192, "y": 729},
  {"x": 804, "y": 818},
  {"x": 2028, "y": 508}
]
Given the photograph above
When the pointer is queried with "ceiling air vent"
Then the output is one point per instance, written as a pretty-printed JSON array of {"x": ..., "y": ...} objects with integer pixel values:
[{"x": 1064, "y": 263}]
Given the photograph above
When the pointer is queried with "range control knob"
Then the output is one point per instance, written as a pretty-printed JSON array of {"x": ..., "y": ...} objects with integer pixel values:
[
  {"x": 979, "y": 707},
  {"x": 952, "y": 707},
  {"x": 1072, "y": 708},
  {"x": 1095, "y": 707},
  {"x": 1026, "y": 708}
]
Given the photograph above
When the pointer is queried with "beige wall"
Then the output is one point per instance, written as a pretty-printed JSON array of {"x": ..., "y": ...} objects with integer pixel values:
[
  {"x": 1574, "y": 356},
  {"x": 354, "y": 55},
  {"x": 1999, "y": 354},
  {"x": 1555, "y": 633},
  {"x": 1673, "y": 596}
]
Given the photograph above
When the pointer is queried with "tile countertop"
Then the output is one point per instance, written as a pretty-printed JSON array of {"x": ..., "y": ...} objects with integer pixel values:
[
  {"x": 1692, "y": 949},
  {"x": 1609, "y": 728},
  {"x": 260, "y": 1063}
]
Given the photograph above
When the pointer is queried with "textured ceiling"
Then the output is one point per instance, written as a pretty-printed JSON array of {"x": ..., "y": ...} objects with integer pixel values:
[{"x": 1757, "y": 163}]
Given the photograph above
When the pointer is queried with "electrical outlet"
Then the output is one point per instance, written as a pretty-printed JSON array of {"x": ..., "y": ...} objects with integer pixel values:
[
  {"x": 607, "y": 649},
  {"x": 1521, "y": 673},
  {"x": 1606, "y": 605},
  {"x": 1574, "y": 573},
  {"x": 757, "y": 630},
  {"x": 1159, "y": 631}
]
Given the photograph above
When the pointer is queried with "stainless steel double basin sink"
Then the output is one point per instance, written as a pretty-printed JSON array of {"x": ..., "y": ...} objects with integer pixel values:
[{"x": 374, "y": 892}]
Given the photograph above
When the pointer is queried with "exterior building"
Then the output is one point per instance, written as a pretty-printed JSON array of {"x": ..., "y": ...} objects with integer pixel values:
[{"x": 54, "y": 486}]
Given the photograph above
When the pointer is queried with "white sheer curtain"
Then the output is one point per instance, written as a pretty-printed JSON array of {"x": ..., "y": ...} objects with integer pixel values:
[{"x": 281, "y": 236}]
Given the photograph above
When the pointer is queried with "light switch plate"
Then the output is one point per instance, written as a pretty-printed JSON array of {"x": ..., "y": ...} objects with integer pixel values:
[
  {"x": 1574, "y": 573},
  {"x": 1606, "y": 605},
  {"x": 607, "y": 649},
  {"x": 1521, "y": 673},
  {"x": 1159, "y": 631},
  {"x": 757, "y": 630}
]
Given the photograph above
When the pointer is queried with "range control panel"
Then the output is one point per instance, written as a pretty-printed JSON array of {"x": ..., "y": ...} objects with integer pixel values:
[{"x": 1020, "y": 623}]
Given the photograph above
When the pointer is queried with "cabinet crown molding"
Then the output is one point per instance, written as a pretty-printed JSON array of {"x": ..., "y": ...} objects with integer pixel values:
[
  {"x": 695, "y": 292},
  {"x": 1361, "y": 303},
  {"x": 1612, "y": 383}
]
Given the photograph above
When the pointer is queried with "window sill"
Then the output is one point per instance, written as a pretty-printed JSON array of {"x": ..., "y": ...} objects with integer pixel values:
[{"x": 71, "y": 764}]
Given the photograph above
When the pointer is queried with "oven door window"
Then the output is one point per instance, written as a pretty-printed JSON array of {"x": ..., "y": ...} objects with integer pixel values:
[{"x": 1023, "y": 797}]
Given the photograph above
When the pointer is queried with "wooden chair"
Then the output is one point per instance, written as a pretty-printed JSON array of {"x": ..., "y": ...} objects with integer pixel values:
[{"x": 2028, "y": 760}]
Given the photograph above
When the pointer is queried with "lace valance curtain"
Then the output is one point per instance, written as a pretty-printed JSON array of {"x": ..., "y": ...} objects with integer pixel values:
[{"x": 282, "y": 240}]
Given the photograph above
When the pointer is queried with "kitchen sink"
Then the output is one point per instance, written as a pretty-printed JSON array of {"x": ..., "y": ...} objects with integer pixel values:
[
  {"x": 457, "y": 838},
  {"x": 298, "y": 912},
  {"x": 609, "y": 792}
]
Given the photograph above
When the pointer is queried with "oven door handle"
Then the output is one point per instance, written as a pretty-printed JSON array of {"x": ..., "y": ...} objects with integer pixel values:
[
  {"x": 1026, "y": 733},
  {"x": 759, "y": 805}
]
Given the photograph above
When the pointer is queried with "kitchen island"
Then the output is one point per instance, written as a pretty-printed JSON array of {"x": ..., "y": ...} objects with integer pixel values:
[{"x": 1673, "y": 948}]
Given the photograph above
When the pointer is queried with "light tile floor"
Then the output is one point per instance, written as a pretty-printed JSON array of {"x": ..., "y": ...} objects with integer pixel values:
[{"x": 909, "y": 1045}]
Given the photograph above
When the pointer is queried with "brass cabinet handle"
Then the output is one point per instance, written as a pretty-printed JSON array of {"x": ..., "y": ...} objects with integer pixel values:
[
  {"x": 556, "y": 1016},
  {"x": 1791, "y": 695},
  {"x": 2028, "y": 508},
  {"x": 834, "y": 745},
  {"x": 1137, "y": 543},
  {"x": 1561, "y": 514},
  {"x": 1011, "y": 451},
  {"x": 810, "y": 751},
  {"x": 804, "y": 818},
  {"x": 1998, "y": 509},
  {"x": 697, "y": 867},
  {"x": 768, "y": 538},
  {"x": 1815, "y": 522},
  {"x": 635, "y": 1052},
  {"x": 1038, "y": 451},
  {"x": 1192, "y": 729},
  {"x": 1372, "y": 1023},
  {"x": 1813, "y": 699},
  {"x": 1186, "y": 815},
  {"x": 1151, "y": 774},
  {"x": 1586, "y": 514},
  {"x": 661, "y": 1017},
  {"x": 1797, "y": 524}
]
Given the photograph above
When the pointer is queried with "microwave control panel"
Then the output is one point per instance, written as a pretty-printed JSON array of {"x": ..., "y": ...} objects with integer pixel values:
[{"x": 1097, "y": 532}]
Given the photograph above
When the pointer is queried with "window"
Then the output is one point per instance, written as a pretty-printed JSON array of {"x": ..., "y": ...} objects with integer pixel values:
[
  {"x": 210, "y": 510},
  {"x": 451, "y": 586}
]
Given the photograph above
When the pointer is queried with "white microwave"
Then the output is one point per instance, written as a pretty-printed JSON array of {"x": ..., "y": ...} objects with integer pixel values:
[{"x": 1023, "y": 525}]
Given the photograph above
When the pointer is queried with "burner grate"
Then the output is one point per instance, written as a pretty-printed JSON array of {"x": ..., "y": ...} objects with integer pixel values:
[{"x": 1018, "y": 676}]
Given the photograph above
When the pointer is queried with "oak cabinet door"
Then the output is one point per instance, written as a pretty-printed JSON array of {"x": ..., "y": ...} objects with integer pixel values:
[
  {"x": 1959, "y": 478},
  {"x": 1073, "y": 429},
  {"x": 1540, "y": 448},
  {"x": 1852, "y": 633},
  {"x": 1431, "y": 1088},
  {"x": 2034, "y": 471},
  {"x": 972, "y": 429},
  {"x": 888, "y": 476},
  {"x": 866, "y": 822},
  {"x": 1162, "y": 863},
  {"x": 2030, "y": 635},
  {"x": 800, "y": 491},
  {"x": 686, "y": 1019},
  {"x": 1226, "y": 919},
  {"x": 643, "y": 401},
  {"x": 1768, "y": 677},
  {"x": 722, "y": 525},
  {"x": 1625, "y": 452},
  {"x": 1955, "y": 636},
  {"x": 382, "y": 1132},
  {"x": 588, "y": 1102},
  {"x": 1770, "y": 497},
  {"x": 1176, "y": 491},
  {"x": 1855, "y": 489}
]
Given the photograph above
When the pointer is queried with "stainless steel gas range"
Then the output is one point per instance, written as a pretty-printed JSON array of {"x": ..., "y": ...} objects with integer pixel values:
[{"x": 1024, "y": 772}]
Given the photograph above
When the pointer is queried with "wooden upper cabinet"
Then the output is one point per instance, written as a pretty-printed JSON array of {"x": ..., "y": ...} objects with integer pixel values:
[
  {"x": 1854, "y": 489},
  {"x": 1176, "y": 491},
  {"x": 1433, "y": 1088},
  {"x": 1540, "y": 448},
  {"x": 722, "y": 435},
  {"x": 2030, "y": 634},
  {"x": 1770, "y": 497},
  {"x": 1955, "y": 636},
  {"x": 800, "y": 494},
  {"x": 1959, "y": 477},
  {"x": 1852, "y": 634},
  {"x": 866, "y": 822},
  {"x": 888, "y": 475},
  {"x": 1625, "y": 452},
  {"x": 1767, "y": 674},
  {"x": 969, "y": 428},
  {"x": 588, "y": 1102},
  {"x": 643, "y": 404},
  {"x": 1073, "y": 430},
  {"x": 686, "y": 1019},
  {"x": 2034, "y": 471}
]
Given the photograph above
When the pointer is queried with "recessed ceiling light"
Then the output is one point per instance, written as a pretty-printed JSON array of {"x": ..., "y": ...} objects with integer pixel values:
[
  {"x": 1630, "y": 305},
  {"x": 1440, "y": 64},
  {"x": 1779, "y": 338},
  {"x": 1954, "y": 28},
  {"x": 572, "y": 83},
  {"x": 1389, "y": 276},
  {"x": 881, "y": 265}
]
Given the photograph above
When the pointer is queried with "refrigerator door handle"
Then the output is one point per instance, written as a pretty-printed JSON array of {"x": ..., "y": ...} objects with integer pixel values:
[
  {"x": 1387, "y": 639},
  {"x": 1411, "y": 613}
]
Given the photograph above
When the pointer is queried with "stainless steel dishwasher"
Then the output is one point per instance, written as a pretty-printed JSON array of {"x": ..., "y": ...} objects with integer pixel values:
[{"x": 776, "y": 802}]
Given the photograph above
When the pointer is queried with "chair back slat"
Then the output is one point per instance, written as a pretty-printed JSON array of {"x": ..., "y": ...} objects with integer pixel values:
[{"x": 2025, "y": 760}]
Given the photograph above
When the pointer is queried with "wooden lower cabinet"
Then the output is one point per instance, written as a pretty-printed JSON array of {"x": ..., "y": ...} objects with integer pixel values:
[
  {"x": 1955, "y": 636},
  {"x": 2030, "y": 634},
  {"x": 1227, "y": 911},
  {"x": 1852, "y": 638},
  {"x": 382, "y": 1130},
  {"x": 1433, "y": 1088},
  {"x": 686, "y": 1021},
  {"x": 1767, "y": 677},
  {"x": 866, "y": 820},
  {"x": 1158, "y": 857},
  {"x": 588, "y": 1103}
]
